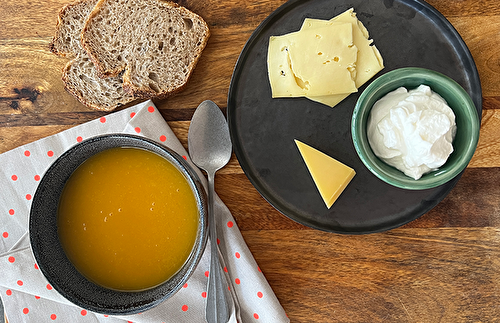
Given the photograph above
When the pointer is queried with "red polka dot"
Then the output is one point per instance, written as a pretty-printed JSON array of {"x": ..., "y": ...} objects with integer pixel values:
[
  {"x": 256, "y": 316},
  {"x": 132, "y": 114},
  {"x": 79, "y": 139},
  {"x": 185, "y": 307},
  {"x": 230, "y": 224},
  {"x": 11, "y": 212},
  {"x": 105, "y": 315},
  {"x": 50, "y": 153},
  {"x": 20, "y": 282},
  {"x": 185, "y": 285},
  {"x": 102, "y": 119},
  {"x": 37, "y": 178},
  {"x": 28, "y": 197},
  {"x": 229, "y": 288},
  {"x": 206, "y": 273},
  {"x": 218, "y": 241},
  {"x": 26, "y": 310},
  {"x": 27, "y": 153},
  {"x": 163, "y": 138},
  {"x": 37, "y": 297},
  {"x": 237, "y": 254},
  {"x": 36, "y": 266},
  {"x": 5, "y": 234},
  {"x": 14, "y": 177},
  {"x": 260, "y": 295},
  {"x": 53, "y": 317},
  {"x": 151, "y": 109},
  {"x": 12, "y": 259},
  {"x": 49, "y": 287},
  {"x": 204, "y": 294},
  {"x": 8, "y": 292},
  {"x": 83, "y": 312},
  {"x": 185, "y": 157},
  {"x": 137, "y": 129},
  {"x": 225, "y": 269},
  {"x": 237, "y": 281}
]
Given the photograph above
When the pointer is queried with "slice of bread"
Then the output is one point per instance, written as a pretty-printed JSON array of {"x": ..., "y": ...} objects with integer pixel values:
[
  {"x": 79, "y": 75},
  {"x": 70, "y": 22},
  {"x": 155, "y": 43}
]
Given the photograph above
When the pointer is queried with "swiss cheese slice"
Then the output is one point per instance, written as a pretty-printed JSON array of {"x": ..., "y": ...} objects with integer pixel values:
[
  {"x": 297, "y": 62},
  {"x": 283, "y": 81},
  {"x": 324, "y": 58},
  {"x": 300, "y": 62},
  {"x": 330, "y": 176},
  {"x": 369, "y": 61}
]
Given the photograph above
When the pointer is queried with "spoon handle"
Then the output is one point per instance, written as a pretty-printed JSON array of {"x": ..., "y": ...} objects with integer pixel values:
[{"x": 217, "y": 308}]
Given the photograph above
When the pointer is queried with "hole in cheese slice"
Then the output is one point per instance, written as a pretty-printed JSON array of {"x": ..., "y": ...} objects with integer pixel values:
[{"x": 330, "y": 176}]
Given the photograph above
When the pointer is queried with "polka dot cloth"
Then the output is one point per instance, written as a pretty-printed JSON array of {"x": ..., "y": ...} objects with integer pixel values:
[{"x": 28, "y": 296}]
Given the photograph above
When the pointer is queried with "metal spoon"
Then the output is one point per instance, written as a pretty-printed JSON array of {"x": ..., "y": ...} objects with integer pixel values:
[{"x": 210, "y": 149}]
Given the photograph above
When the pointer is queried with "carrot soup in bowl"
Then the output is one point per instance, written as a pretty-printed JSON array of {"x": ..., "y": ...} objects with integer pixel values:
[{"x": 118, "y": 224}]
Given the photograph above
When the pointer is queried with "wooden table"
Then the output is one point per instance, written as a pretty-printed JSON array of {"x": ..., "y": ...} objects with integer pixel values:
[{"x": 443, "y": 267}]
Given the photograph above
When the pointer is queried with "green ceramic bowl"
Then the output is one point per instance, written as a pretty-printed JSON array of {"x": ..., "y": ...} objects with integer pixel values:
[{"x": 467, "y": 120}]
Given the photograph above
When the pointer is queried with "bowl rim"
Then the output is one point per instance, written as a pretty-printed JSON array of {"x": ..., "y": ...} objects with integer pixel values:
[
  {"x": 50, "y": 256},
  {"x": 389, "y": 82}
]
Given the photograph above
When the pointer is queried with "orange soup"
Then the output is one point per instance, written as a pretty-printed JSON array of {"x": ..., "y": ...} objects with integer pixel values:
[{"x": 127, "y": 219}]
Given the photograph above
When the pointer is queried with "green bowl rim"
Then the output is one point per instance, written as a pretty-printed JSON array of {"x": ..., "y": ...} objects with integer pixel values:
[{"x": 392, "y": 80}]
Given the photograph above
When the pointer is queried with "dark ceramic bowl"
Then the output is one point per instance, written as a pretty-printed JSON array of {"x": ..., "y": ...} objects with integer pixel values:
[
  {"x": 467, "y": 120},
  {"x": 50, "y": 256}
]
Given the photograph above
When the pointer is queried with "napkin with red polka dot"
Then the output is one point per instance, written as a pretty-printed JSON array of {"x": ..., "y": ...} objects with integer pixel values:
[{"x": 27, "y": 295}]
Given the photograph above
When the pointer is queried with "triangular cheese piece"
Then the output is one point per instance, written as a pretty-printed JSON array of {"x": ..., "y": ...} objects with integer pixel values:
[{"x": 330, "y": 176}]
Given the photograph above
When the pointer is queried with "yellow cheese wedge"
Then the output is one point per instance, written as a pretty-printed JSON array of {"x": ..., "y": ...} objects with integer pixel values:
[
  {"x": 369, "y": 61},
  {"x": 330, "y": 176},
  {"x": 319, "y": 61}
]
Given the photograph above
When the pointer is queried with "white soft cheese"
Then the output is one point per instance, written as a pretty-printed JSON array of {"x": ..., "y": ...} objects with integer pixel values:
[{"x": 412, "y": 130}]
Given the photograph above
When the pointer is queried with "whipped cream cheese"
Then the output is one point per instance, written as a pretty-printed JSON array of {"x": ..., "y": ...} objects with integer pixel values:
[{"x": 412, "y": 130}]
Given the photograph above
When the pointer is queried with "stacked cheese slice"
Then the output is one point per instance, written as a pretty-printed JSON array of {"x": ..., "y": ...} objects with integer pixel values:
[{"x": 325, "y": 61}]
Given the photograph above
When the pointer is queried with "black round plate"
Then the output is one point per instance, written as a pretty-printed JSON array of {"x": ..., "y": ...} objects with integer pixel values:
[{"x": 407, "y": 33}]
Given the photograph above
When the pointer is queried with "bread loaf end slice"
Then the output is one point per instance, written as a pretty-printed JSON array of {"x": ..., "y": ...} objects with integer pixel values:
[{"x": 79, "y": 75}]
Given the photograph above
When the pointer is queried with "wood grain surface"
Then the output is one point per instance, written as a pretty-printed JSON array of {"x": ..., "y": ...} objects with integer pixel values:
[{"x": 443, "y": 267}]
